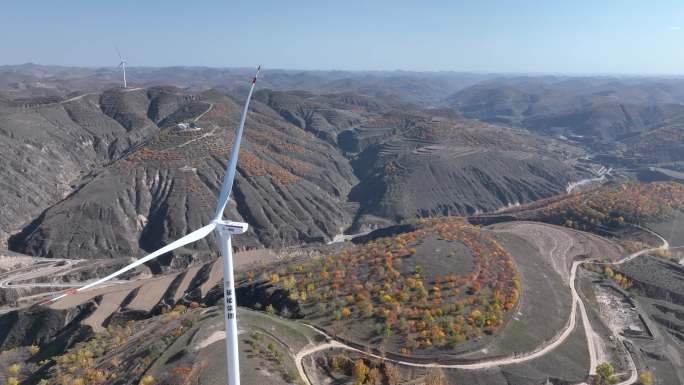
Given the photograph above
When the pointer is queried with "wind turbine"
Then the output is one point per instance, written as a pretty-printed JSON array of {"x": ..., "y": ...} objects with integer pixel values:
[
  {"x": 225, "y": 230},
  {"x": 122, "y": 64}
]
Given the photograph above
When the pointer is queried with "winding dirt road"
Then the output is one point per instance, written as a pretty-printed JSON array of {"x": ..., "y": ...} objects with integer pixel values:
[{"x": 31, "y": 272}]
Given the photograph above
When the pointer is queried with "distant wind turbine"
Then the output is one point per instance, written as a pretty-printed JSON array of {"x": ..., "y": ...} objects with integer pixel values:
[
  {"x": 224, "y": 230},
  {"x": 122, "y": 64}
]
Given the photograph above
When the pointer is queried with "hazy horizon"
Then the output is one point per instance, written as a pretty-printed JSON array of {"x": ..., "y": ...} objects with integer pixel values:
[
  {"x": 632, "y": 38},
  {"x": 361, "y": 71}
]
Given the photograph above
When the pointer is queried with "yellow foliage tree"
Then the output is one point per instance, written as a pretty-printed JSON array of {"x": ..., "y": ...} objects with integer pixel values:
[
  {"x": 360, "y": 372},
  {"x": 14, "y": 369},
  {"x": 646, "y": 378}
]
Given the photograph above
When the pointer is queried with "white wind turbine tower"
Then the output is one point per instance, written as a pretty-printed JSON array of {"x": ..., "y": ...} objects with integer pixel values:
[
  {"x": 122, "y": 64},
  {"x": 224, "y": 229}
]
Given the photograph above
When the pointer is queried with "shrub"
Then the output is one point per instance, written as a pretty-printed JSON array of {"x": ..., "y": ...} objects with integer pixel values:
[
  {"x": 646, "y": 378},
  {"x": 14, "y": 369},
  {"x": 171, "y": 316}
]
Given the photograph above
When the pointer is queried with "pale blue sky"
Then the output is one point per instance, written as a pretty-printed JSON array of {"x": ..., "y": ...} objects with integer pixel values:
[{"x": 593, "y": 36}]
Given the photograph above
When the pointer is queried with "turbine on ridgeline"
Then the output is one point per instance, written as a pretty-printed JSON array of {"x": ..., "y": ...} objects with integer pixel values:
[
  {"x": 122, "y": 64},
  {"x": 225, "y": 230}
]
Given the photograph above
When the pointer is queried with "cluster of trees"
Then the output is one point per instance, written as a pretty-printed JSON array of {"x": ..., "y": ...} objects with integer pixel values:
[
  {"x": 81, "y": 365},
  {"x": 278, "y": 142},
  {"x": 610, "y": 206},
  {"x": 164, "y": 148},
  {"x": 617, "y": 277},
  {"x": 605, "y": 375},
  {"x": 283, "y": 152},
  {"x": 147, "y": 154},
  {"x": 382, "y": 281},
  {"x": 254, "y": 166},
  {"x": 374, "y": 372},
  {"x": 12, "y": 371},
  {"x": 664, "y": 254},
  {"x": 365, "y": 373},
  {"x": 283, "y": 167},
  {"x": 87, "y": 363},
  {"x": 292, "y": 164}
]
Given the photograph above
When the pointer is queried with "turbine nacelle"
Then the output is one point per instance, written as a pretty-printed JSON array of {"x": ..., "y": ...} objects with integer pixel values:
[{"x": 233, "y": 228}]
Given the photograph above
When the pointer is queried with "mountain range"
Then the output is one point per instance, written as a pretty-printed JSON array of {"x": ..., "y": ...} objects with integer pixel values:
[{"x": 119, "y": 172}]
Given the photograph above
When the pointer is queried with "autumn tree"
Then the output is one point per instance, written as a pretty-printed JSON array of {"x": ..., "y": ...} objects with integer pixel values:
[
  {"x": 14, "y": 369},
  {"x": 34, "y": 349},
  {"x": 290, "y": 283},
  {"x": 646, "y": 378},
  {"x": 608, "y": 272},
  {"x": 605, "y": 374},
  {"x": 360, "y": 372}
]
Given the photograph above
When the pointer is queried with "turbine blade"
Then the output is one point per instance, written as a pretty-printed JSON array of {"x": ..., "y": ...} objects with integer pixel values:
[
  {"x": 229, "y": 175},
  {"x": 190, "y": 238},
  {"x": 118, "y": 53}
]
